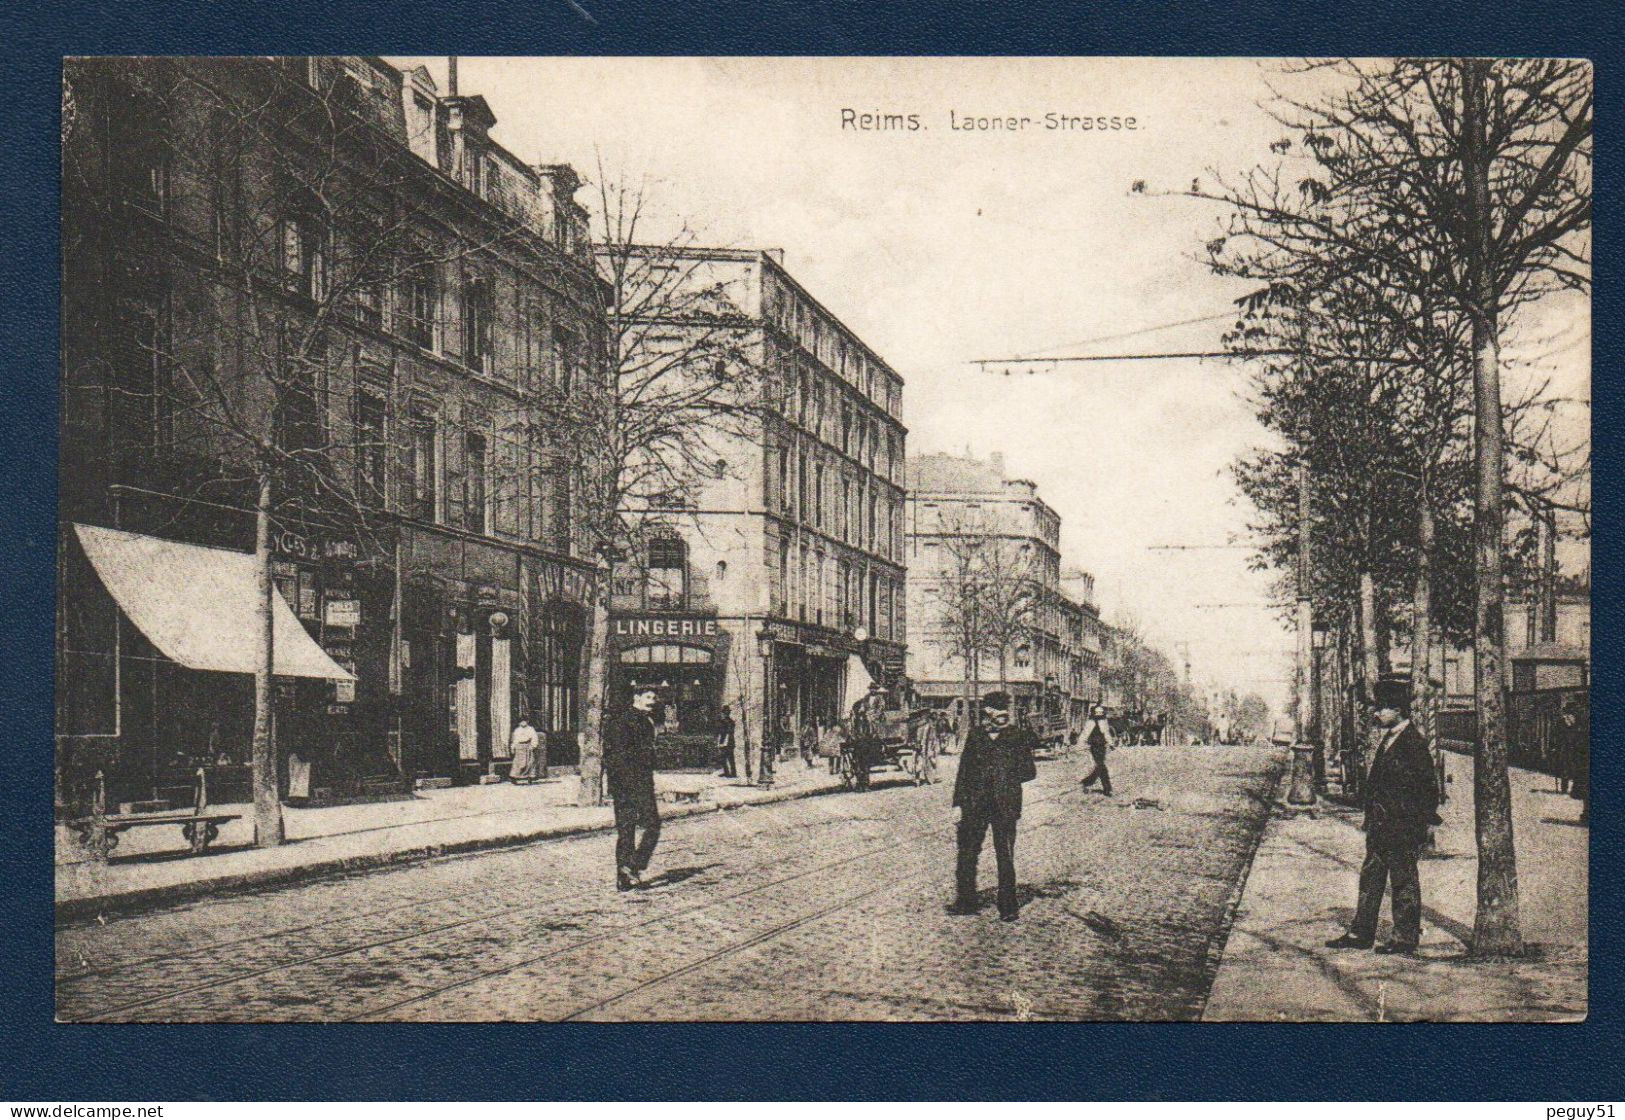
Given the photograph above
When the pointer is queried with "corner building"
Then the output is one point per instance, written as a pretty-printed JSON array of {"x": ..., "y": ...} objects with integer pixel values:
[{"x": 775, "y": 585}]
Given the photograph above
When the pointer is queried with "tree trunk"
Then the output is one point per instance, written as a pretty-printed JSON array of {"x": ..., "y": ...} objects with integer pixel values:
[
  {"x": 970, "y": 691},
  {"x": 1422, "y": 619},
  {"x": 267, "y": 800},
  {"x": 590, "y": 785},
  {"x": 1496, "y": 926}
]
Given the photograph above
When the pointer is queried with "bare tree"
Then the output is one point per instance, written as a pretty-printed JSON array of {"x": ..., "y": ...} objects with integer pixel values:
[{"x": 292, "y": 218}]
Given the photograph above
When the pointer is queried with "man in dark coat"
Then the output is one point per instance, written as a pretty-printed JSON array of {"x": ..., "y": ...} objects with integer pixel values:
[
  {"x": 1401, "y": 798},
  {"x": 1097, "y": 733},
  {"x": 997, "y": 759},
  {"x": 629, "y": 765}
]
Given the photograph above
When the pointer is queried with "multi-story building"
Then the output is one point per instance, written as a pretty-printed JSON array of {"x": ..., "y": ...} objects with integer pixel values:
[
  {"x": 322, "y": 273},
  {"x": 953, "y": 500},
  {"x": 773, "y": 585}
]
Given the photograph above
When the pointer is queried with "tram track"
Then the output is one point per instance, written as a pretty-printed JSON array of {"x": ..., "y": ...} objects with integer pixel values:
[{"x": 868, "y": 849}]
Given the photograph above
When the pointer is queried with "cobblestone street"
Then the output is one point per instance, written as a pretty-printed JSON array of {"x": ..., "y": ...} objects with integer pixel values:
[{"x": 830, "y": 907}]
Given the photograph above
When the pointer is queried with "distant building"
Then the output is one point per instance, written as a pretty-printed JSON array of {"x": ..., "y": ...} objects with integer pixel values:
[
  {"x": 1056, "y": 663},
  {"x": 775, "y": 583}
]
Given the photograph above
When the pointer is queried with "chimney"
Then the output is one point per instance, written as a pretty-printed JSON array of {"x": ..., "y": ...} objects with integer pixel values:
[{"x": 451, "y": 76}]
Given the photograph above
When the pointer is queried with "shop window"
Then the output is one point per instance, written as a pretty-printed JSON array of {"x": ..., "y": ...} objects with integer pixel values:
[
  {"x": 146, "y": 374},
  {"x": 474, "y": 512},
  {"x": 668, "y": 570},
  {"x": 666, "y": 655}
]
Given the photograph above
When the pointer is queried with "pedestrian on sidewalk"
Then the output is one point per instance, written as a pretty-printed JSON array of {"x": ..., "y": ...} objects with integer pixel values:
[
  {"x": 1097, "y": 733},
  {"x": 998, "y": 758},
  {"x": 527, "y": 768},
  {"x": 1401, "y": 800},
  {"x": 726, "y": 743},
  {"x": 629, "y": 764}
]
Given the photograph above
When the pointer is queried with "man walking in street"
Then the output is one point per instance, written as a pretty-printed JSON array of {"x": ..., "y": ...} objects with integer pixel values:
[
  {"x": 997, "y": 759},
  {"x": 629, "y": 764},
  {"x": 1401, "y": 799},
  {"x": 1097, "y": 733},
  {"x": 726, "y": 743}
]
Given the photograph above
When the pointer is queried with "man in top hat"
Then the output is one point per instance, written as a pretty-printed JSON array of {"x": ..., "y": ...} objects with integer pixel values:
[
  {"x": 997, "y": 759},
  {"x": 1401, "y": 797}
]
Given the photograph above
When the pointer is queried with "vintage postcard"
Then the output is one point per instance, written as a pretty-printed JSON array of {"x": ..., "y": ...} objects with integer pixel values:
[{"x": 823, "y": 539}]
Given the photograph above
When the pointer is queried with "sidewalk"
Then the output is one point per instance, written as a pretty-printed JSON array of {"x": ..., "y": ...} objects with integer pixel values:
[
  {"x": 1301, "y": 891},
  {"x": 149, "y": 867}
]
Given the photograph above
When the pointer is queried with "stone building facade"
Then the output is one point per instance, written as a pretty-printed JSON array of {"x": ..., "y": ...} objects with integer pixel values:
[{"x": 773, "y": 584}]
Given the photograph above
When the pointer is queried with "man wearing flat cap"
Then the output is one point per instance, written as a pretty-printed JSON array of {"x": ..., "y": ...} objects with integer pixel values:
[
  {"x": 1401, "y": 796},
  {"x": 997, "y": 759}
]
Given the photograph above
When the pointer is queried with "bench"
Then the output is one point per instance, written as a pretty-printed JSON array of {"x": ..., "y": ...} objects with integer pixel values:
[{"x": 99, "y": 832}]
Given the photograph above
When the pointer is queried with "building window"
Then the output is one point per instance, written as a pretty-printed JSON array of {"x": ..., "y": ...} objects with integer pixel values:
[
  {"x": 668, "y": 571},
  {"x": 478, "y": 307},
  {"x": 565, "y": 356},
  {"x": 301, "y": 397},
  {"x": 422, "y": 490},
  {"x": 474, "y": 512},
  {"x": 144, "y": 345},
  {"x": 420, "y": 131},
  {"x": 784, "y": 478},
  {"x": 1024, "y": 656},
  {"x": 818, "y": 495},
  {"x": 846, "y": 428},
  {"x": 418, "y": 323},
  {"x": 371, "y": 411}
]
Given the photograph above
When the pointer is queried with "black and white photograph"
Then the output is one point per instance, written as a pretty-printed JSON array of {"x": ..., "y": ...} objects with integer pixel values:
[{"x": 823, "y": 539}]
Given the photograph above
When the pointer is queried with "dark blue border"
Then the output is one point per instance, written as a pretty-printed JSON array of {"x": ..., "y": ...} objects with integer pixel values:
[{"x": 42, "y": 1061}]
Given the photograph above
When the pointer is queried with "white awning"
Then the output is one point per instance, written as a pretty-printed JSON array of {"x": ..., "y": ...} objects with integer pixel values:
[{"x": 196, "y": 604}]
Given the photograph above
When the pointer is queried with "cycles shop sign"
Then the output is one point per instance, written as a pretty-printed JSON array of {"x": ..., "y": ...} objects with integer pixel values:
[
  {"x": 301, "y": 547},
  {"x": 664, "y": 627}
]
